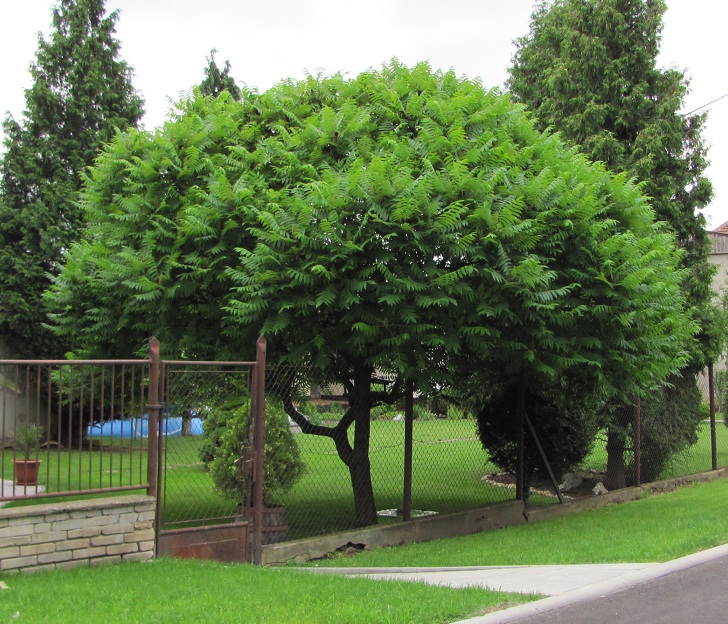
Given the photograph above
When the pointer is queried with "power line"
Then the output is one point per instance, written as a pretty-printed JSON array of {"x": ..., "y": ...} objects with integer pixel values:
[{"x": 704, "y": 105}]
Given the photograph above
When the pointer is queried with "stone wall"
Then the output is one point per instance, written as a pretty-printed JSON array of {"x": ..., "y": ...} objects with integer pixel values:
[{"x": 77, "y": 533}]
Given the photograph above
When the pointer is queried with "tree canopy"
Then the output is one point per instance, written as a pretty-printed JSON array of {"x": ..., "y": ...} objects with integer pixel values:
[
  {"x": 588, "y": 69},
  {"x": 81, "y": 93},
  {"x": 404, "y": 221}
]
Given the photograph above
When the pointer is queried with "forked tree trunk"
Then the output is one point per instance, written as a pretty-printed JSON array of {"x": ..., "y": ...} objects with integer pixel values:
[{"x": 356, "y": 456}]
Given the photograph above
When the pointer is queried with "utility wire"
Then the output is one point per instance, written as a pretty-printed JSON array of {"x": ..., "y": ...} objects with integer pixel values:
[{"x": 704, "y": 105}]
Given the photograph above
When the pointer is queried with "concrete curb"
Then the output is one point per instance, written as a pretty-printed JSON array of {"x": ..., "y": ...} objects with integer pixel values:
[{"x": 597, "y": 590}]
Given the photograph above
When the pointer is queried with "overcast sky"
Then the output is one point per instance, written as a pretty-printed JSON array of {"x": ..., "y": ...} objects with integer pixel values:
[{"x": 265, "y": 41}]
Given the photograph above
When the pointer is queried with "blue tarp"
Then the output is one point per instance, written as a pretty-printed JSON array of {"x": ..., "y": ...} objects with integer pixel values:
[{"x": 139, "y": 427}]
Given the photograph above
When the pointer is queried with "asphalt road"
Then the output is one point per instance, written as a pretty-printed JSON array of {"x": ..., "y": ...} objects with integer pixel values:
[{"x": 698, "y": 595}]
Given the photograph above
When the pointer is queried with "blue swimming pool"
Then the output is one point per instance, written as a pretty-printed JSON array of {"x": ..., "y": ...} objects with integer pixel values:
[{"x": 136, "y": 428}]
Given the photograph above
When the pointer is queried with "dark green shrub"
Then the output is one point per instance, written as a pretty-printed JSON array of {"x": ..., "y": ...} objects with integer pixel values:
[
  {"x": 564, "y": 422},
  {"x": 670, "y": 419}
]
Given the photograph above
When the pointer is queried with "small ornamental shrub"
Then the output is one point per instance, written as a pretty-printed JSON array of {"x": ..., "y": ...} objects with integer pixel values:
[{"x": 282, "y": 464}]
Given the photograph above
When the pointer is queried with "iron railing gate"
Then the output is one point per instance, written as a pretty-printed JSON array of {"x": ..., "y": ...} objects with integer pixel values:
[{"x": 193, "y": 518}]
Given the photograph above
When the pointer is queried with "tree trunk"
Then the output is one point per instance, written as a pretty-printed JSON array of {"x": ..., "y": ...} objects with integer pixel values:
[
  {"x": 615, "y": 478},
  {"x": 361, "y": 481},
  {"x": 187, "y": 423},
  {"x": 359, "y": 466}
]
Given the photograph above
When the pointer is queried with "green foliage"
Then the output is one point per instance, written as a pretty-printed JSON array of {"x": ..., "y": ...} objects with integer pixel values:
[
  {"x": 589, "y": 70},
  {"x": 721, "y": 393},
  {"x": 163, "y": 223},
  {"x": 670, "y": 421},
  {"x": 456, "y": 412},
  {"x": 404, "y": 222},
  {"x": 216, "y": 80},
  {"x": 282, "y": 467},
  {"x": 565, "y": 426},
  {"x": 28, "y": 438},
  {"x": 80, "y": 95},
  {"x": 314, "y": 413},
  {"x": 420, "y": 412}
]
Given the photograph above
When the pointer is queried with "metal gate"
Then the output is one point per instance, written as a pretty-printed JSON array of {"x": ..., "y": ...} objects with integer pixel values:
[{"x": 193, "y": 518}]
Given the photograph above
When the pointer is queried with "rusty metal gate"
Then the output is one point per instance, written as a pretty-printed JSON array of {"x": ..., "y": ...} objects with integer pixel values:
[{"x": 195, "y": 401}]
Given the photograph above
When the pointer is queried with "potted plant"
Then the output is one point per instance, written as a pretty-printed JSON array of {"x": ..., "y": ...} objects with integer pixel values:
[
  {"x": 282, "y": 464},
  {"x": 27, "y": 440}
]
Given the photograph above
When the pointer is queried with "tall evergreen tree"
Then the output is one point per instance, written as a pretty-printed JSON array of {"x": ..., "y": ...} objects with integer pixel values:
[
  {"x": 216, "y": 80},
  {"x": 81, "y": 93},
  {"x": 588, "y": 69}
]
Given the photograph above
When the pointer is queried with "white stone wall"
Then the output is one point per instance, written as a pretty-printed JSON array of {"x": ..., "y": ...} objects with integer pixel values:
[{"x": 77, "y": 533}]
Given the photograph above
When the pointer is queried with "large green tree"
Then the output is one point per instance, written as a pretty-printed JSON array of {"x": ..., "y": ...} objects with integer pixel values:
[
  {"x": 588, "y": 69},
  {"x": 80, "y": 95},
  {"x": 403, "y": 222}
]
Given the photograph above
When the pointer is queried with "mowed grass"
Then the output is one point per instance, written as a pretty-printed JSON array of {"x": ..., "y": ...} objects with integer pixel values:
[
  {"x": 169, "y": 591},
  {"x": 656, "y": 528}
]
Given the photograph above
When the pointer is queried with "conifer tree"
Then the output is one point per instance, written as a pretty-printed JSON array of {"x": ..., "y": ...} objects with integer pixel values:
[
  {"x": 81, "y": 93},
  {"x": 216, "y": 80},
  {"x": 588, "y": 69}
]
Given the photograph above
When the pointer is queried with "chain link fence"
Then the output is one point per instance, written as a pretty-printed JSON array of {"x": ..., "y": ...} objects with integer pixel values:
[{"x": 310, "y": 435}]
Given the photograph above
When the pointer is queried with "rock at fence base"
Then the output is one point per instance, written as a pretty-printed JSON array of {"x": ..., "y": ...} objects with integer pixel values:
[
  {"x": 570, "y": 481},
  {"x": 398, "y": 417},
  {"x": 599, "y": 489}
]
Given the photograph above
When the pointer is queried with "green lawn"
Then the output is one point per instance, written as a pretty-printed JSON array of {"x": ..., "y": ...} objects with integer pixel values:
[
  {"x": 121, "y": 463},
  {"x": 655, "y": 528},
  {"x": 189, "y": 592}
]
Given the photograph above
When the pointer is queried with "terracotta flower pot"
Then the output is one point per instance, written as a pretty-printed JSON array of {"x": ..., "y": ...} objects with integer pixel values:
[{"x": 26, "y": 471}]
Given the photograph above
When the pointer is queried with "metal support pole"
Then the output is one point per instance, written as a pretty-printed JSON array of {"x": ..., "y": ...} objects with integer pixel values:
[
  {"x": 153, "y": 409},
  {"x": 258, "y": 446},
  {"x": 520, "y": 448},
  {"x": 638, "y": 442},
  {"x": 713, "y": 441},
  {"x": 408, "y": 434},
  {"x": 546, "y": 463}
]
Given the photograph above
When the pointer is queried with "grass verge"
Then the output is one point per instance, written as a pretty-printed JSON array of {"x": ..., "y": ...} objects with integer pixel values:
[
  {"x": 170, "y": 591},
  {"x": 656, "y": 528}
]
